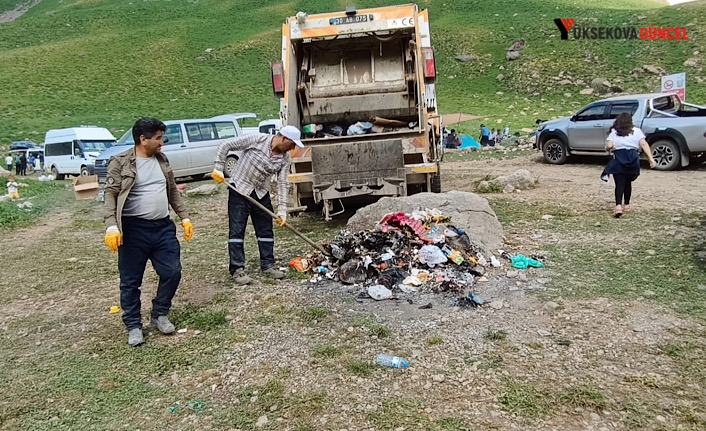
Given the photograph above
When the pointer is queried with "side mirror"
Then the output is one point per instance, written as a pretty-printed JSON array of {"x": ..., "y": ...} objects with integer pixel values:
[{"x": 572, "y": 118}]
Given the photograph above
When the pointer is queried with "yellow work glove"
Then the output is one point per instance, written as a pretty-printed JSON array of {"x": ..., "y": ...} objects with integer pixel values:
[
  {"x": 188, "y": 229},
  {"x": 113, "y": 238},
  {"x": 218, "y": 176},
  {"x": 281, "y": 219}
]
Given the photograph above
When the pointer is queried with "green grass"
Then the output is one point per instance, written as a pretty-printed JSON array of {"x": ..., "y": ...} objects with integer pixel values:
[
  {"x": 327, "y": 351},
  {"x": 313, "y": 314},
  {"x": 44, "y": 54},
  {"x": 42, "y": 195},
  {"x": 524, "y": 400},
  {"x": 493, "y": 335},
  {"x": 435, "y": 340},
  {"x": 407, "y": 413},
  {"x": 586, "y": 396},
  {"x": 379, "y": 330},
  {"x": 360, "y": 368},
  {"x": 198, "y": 317}
]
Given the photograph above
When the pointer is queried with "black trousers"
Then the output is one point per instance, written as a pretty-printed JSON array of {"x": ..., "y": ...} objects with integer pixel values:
[
  {"x": 623, "y": 188},
  {"x": 142, "y": 240},
  {"x": 239, "y": 208}
]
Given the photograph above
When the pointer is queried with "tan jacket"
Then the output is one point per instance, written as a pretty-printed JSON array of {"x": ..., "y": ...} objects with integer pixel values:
[{"x": 121, "y": 177}]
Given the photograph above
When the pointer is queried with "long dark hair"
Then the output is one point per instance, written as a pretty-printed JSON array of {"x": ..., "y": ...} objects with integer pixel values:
[{"x": 623, "y": 124}]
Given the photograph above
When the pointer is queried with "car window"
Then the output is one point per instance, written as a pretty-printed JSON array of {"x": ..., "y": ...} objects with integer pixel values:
[
  {"x": 594, "y": 112},
  {"x": 621, "y": 107},
  {"x": 226, "y": 129},
  {"x": 173, "y": 135},
  {"x": 201, "y": 132},
  {"x": 126, "y": 139}
]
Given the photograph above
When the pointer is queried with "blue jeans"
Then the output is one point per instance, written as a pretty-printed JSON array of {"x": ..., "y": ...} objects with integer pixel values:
[
  {"x": 142, "y": 240},
  {"x": 239, "y": 208}
]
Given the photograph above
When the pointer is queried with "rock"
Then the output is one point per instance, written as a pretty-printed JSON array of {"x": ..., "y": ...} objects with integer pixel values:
[
  {"x": 209, "y": 49},
  {"x": 508, "y": 188},
  {"x": 544, "y": 333},
  {"x": 522, "y": 276},
  {"x": 648, "y": 293},
  {"x": 654, "y": 70},
  {"x": 550, "y": 306},
  {"x": 701, "y": 287},
  {"x": 517, "y": 45},
  {"x": 547, "y": 217},
  {"x": 206, "y": 189},
  {"x": 692, "y": 62},
  {"x": 500, "y": 77},
  {"x": 600, "y": 85},
  {"x": 586, "y": 91},
  {"x": 521, "y": 179},
  {"x": 512, "y": 274},
  {"x": 565, "y": 82},
  {"x": 438, "y": 378},
  {"x": 496, "y": 305},
  {"x": 465, "y": 58},
  {"x": 513, "y": 55},
  {"x": 616, "y": 89},
  {"x": 595, "y": 417},
  {"x": 468, "y": 211},
  {"x": 261, "y": 421},
  {"x": 4, "y": 173},
  {"x": 661, "y": 418}
]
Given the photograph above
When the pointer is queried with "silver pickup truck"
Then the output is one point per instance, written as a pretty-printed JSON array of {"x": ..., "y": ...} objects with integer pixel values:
[{"x": 675, "y": 130}]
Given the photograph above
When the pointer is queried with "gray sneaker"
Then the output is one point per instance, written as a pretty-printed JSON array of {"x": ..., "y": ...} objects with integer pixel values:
[
  {"x": 240, "y": 278},
  {"x": 135, "y": 337},
  {"x": 163, "y": 324},
  {"x": 274, "y": 273}
]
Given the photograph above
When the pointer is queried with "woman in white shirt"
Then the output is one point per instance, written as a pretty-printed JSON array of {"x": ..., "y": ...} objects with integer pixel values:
[{"x": 625, "y": 142}]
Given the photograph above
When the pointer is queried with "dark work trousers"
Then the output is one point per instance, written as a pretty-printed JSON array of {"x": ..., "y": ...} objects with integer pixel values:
[
  {"x": 23, "y": 169},
  {"x": 623, "y": 188},
  {"x": 17, "y": 168},
  {"x": 239, "y": 208},
  {"x": 9, "y": 167},
  {"x": 142, "y": 240}
]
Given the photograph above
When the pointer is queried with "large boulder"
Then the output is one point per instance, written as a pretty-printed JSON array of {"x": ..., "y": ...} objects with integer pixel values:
[
  {"x": 468, "y": 211},
  {"x": 521, "y": 179}
]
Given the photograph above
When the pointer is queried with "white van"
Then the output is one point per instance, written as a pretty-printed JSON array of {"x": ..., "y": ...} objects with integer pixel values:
[
  {"x": 73, "y": 151},
  {"x": 190, "y": 146}
]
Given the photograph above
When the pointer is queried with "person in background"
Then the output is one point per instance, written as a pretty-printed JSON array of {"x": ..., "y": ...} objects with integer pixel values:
[
  {"x": 8, "y": 162},
  {"x": 484, "y": 135},
  {"x": 263, "y": 156},
  {"x": 12, "y": 188},
  {"x": 23, "y": 164},
  {"x": 30, "y": 162},
  {"x": 506, "y": 132},
  {"x": 140, "y": 188},
  {"x": 38, "y": 164},
  {"x": 17, "y": 164},
  {"x": 625, "y": 142},
  {"x": 452, "y": 140},
  {"x": 491, "y": 137}
]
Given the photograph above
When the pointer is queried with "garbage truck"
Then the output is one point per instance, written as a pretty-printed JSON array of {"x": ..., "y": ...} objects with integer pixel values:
[{"x": 361, "y": 85}]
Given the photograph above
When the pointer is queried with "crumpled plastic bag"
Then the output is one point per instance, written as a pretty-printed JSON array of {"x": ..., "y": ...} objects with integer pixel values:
[
  {"x": 431, "y": 255},
  {"x": 360, "y": 128},
  {"x": 521, "y": 261}
]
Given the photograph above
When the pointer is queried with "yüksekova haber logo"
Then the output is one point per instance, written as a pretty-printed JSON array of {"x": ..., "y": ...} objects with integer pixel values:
[{"x": 653, "y": 32}]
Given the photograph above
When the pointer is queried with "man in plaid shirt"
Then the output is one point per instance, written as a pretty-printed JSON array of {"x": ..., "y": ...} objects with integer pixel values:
[{"x": 263, "y": 156}]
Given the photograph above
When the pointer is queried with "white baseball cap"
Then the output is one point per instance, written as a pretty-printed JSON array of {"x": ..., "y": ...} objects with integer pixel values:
[{"x": 291, "y": 132}]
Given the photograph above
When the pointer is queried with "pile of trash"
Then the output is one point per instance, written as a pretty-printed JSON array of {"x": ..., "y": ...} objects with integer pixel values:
[
  {"x": 375, "y": 125},
  {"x": 421, "y": 252}
]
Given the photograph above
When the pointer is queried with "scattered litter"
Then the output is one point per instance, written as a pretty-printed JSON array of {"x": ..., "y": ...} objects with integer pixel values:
[
  {"x": 536, "y": 236},
  {"x": 114, "y": 309},
  {"x": 520, "y": 261},
  {"x": 547, "y": 217},
  {"x": 495, "y": 262},
  {"x": 544, "y": 333},
  {"x": 425, "y": 307},
  {"x": 379, "y": 292},
  {"x": 182, "y": 331},
  {"x": 299, "y": 264},
  {"x": 391, "y": 361},
  {"x": 195, "y": 406}
]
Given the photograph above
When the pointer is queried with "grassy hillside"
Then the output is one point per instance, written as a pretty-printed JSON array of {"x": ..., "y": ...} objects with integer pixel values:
[{"x": 106, "y": 62}]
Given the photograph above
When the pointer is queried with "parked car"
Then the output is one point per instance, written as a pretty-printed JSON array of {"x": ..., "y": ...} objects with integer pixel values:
[
  {"x": 23, "y": 145},
  {"x": 73, "y": 150},
  {"x": 675, "y": 130},
  {"x": 190, "y": 145}
]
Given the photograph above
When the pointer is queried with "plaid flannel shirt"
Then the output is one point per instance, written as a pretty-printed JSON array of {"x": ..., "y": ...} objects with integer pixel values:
[{"x": 256, "y": 166}]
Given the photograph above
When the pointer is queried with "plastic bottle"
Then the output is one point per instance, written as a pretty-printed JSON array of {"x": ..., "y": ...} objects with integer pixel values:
[{"x": 391, "y": 361}]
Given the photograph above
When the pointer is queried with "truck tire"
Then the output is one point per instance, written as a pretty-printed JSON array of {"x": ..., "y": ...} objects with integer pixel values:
[
  {"x": 555, "y": 152},
  {"x": 55, "y": 172},
  {"x": 666, "y": 153},
  {"x": 230, "y": 165},
  {"x": 436, "y": 183},
  {"x": 84, "y": 171}
]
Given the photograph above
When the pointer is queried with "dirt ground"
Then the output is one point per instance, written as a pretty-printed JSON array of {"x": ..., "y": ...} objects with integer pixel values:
[{"x": 530, "y": 359}]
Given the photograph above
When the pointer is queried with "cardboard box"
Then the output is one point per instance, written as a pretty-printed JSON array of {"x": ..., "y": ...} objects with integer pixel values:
[{"x": 86, "y": 188}]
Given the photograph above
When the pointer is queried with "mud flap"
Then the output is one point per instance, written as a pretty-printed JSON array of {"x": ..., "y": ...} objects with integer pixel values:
[{"x": 358, "y": 168}]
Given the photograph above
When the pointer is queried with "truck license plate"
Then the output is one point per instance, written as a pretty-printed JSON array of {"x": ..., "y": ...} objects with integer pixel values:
[{"x": 353, "y": 19}]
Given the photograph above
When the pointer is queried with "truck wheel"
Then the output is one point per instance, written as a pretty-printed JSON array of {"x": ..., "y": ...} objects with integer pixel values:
[
  {"x": 56, "y": 174},
  {"x": 436, "y": 183},
  {"x": 554, "y": 152},
  {"x": 666, "y": 153},
  {"x": 84, "y": 171},
  {"x": 230, "y": 165}
]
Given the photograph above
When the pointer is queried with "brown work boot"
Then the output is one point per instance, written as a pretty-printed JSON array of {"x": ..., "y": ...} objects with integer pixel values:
[
  {"x": 240, "y": 278},
  {"x": 273, "y": 273}
]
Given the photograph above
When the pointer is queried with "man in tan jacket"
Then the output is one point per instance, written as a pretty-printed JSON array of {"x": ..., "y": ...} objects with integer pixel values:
[{"x": 139, "y": 190}]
